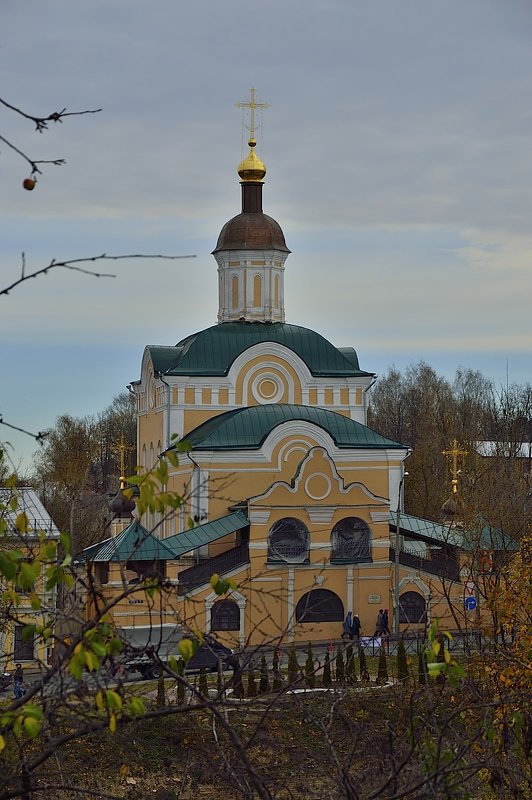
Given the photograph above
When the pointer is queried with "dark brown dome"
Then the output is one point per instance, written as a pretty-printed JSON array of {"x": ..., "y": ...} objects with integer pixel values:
[
  {"x": 251, "y": 231},
  {"x": 121, "y": 506}
]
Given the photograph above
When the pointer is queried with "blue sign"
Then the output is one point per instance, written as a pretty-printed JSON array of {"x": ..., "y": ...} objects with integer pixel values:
[{"x": 470, "y": 603}]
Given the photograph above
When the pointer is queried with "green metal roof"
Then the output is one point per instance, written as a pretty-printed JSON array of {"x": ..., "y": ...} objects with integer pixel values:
[
  {"x": 186, "y": 541},
  {"x": 247, "y": 428},
  {"x": 134, "y": 543},
  {"x": 485, "y": 539},
  {"x": 212, "y": 351}
]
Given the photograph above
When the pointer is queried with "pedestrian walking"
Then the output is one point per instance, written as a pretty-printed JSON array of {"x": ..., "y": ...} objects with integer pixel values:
[
  {"x": 348, "y": 622},
  {"x": 378, "y": 624},
  {"x": 18, "y": 682},
  {"x": 356, "y": 627},
  {"x": 385, "y": 622}
]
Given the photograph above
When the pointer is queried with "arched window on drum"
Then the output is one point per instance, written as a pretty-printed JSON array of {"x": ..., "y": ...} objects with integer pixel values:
[
  {"x": 351, "y": 541},
  {"x": 288, "y": 541}
]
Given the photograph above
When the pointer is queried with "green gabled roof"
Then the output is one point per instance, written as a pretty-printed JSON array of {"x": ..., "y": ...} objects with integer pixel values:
[
  {"x": 134, "y": 543},
  {"x": 212, "y": 351},
  {"x": 247, "y": 428},
  {"x": 428, "y": 529},
  {"x": 485, "y": 539},
  {"x": 186, "y": 541}
]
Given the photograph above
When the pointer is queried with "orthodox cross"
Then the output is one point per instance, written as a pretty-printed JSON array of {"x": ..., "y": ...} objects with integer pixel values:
[
  {"x": 252, "y": 105},
  {"x": 455, "y": 453},
  {"x": 123, "y": 448}
]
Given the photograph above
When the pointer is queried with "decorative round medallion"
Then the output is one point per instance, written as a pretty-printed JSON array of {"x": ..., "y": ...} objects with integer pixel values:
[
  {"x": 267, "y": 388},
  {"x": 318, "y": 486}
]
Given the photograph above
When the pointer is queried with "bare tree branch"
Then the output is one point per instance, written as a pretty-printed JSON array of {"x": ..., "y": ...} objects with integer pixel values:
[
  {"x": 58, "y": 162},
  {"x": 39, "y": 436},
  {"x": 72, "y": 264},
  {"x": 41, "y": 125}
]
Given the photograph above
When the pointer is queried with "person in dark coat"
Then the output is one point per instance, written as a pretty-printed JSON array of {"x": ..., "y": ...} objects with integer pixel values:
[
  {"x": 348, "y": 621},
  {"x": 356, "y": 627},
  {"x": 385, "y": 622},
  {"x": 378, "y": 624},
  {"x": 18, "y": 681}
]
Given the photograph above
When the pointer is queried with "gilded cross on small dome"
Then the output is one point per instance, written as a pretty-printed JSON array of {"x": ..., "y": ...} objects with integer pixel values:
[
  {"x": 252, "y": 105},
  {"x": 455, "y": 453},
  {"x": 122, "y": 448}
]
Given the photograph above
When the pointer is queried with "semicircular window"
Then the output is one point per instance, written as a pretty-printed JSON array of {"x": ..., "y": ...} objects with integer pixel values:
[
  {"x": 225, "y": 616},
  {"x": 351, "y": 540},
  {"x": 412, "y": 608},
  {"x": 288, "y": 541},
  {"x": 320, "y": 605}
]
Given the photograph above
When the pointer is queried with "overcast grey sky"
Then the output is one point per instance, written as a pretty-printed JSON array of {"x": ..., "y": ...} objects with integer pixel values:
[{"x": 398, "y": 155}]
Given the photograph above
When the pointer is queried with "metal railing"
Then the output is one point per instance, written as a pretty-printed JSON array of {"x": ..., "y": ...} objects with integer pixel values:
[
  {"x": 443, "y": 565},
  {"x": 201, "y": 573}
]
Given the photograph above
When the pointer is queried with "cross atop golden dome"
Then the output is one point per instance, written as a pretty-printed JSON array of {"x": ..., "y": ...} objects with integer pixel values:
[{"x": 251, "y": 169}]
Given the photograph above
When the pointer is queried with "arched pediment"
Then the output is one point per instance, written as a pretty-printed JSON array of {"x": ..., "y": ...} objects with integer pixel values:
[{"x": 317, "y": 480}]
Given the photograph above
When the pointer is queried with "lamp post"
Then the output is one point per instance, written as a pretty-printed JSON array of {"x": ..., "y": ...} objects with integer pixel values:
[{"x": 397, "y": 547}]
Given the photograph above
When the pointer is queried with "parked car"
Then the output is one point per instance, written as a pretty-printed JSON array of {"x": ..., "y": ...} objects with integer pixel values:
[
  {"x": 209, "y": 655},
  {"x": 146, "y": 653},
  {"x": 5, "y": 680}
]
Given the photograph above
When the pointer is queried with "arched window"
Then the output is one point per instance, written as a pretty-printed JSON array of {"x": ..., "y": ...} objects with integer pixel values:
[
  {"x": 276, "y": 292},
  {"x": 351, "y": 540},
  {"x": 257, "y": 291},
  {"x": 412, "y": 608},
  {"x": 288, "y": 541},
  {"x": 225, "y": 616},
  {"x": 234, "y": 292},
  {"x": 320, "y": 605}
]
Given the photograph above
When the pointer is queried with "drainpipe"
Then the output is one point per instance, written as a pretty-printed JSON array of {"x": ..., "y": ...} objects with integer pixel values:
[
  {"x": 366, "y": 390},
  {"x": 397, "y": 550},
  {"x": 168, "y": 396}
]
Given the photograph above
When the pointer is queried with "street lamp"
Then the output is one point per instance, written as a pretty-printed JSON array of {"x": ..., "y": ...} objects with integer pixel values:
[{"x": 396, "y": 554}]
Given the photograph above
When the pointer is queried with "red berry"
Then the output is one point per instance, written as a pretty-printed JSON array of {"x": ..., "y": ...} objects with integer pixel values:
[{"x": 29, "y": 183}]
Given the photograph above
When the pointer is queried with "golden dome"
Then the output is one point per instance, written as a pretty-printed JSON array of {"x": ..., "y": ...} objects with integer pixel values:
[{"x": 251, "y": 169}]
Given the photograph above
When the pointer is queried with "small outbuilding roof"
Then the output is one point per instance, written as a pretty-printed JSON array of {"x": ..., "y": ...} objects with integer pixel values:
[
  {"x": 186, "y": 541},
  {"x": 134, "y": 543},
  {"x": 484, "y": 538}
]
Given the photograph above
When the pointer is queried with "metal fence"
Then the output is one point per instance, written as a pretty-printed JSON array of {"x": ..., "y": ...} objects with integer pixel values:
[{"x": 201, "y": 573}]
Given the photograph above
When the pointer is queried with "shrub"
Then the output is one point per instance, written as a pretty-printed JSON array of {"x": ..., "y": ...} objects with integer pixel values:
[
  {"x": 382, "y": 670},
  {"x": 402, "y": 663},
  {"x": 252, "y": 683},
  {"x": 220, "y": 680},
  {"x": 277, "y": 680},
  {"x": 180, "y": 691},
  {"x": 203, "y": 685},
  {"x": 350, "y": 668},
  {"x": 161, "y": 699},
  {"x": 340, "y": 671},
  {"x": 363, "y": 666},
  {"x": 293, "y": 666},
  {"x": 264, "y": 683},
  {"x": 326, "y": 679},
  {"x": 310, "y": 676},
  {"x": 422, "y": 674},
  {"x": 238, "y": 686}
]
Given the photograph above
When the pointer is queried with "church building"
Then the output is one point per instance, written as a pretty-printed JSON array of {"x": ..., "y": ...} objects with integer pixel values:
[{"x": 288, "y": 492}]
